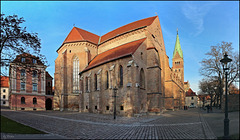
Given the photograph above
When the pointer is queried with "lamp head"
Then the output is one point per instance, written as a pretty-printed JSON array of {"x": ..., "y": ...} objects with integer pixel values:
[{"x": 225, "y": 61}]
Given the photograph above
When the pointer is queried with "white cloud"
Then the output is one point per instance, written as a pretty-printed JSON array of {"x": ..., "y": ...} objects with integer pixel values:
[{"x": 195, "y": 12}]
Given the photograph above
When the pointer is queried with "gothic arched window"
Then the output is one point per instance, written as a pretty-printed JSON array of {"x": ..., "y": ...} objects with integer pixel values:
[
  {"x": 75, "y": 75},
  {"x": 34, "y": 100},
  {"x": 96, "y": 82},
  {"x": 121, "y": 75},
  {"x": 142, "y": 79},
  {"x": 107, "y": 82},
  {"x": 86, "y": 84}
]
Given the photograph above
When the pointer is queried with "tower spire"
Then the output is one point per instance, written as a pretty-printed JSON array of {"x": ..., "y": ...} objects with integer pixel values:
[{"x": 178, "y": 47}]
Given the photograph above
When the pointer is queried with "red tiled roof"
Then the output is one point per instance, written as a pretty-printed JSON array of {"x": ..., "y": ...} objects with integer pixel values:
[
  {"x": 78, "y": 34},
  {"x": 115, "y": 53},
  {"x": 4, "y": 81},
  {"x": 128, "y": 27},
  {"x": 190, "y": 92},
  {"x": 185, "y": 82},
  {"x": 28, "y": 59},
  {"x": 207, "y": 97}
]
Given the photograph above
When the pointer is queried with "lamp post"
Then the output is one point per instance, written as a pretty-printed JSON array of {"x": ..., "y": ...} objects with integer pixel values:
[
  {"x": 215, "y": 94},
  {"x": 115, "y": 102},
  {"x": 225, "y": 61}
]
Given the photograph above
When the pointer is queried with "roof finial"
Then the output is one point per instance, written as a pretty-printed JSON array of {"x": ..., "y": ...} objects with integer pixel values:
[
  {"x": 156, "y": 13},
  {"x": 177, "y": 31},
  {"x": 73, "y": 25}
]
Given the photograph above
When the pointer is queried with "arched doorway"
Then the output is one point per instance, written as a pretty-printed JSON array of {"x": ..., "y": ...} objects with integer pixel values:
[{"x": 48, "y": 104}]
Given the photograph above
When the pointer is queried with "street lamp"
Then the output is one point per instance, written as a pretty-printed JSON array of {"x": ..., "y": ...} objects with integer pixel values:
[
  {"x": 215, "y": 94},
  {"x": 225, "y": 62}
]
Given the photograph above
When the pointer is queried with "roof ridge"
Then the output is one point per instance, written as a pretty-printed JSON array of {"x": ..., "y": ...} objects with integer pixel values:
[
  {"x": 68, "y": 36},
  {"x": 128, "y": 25},
  {"x": 78, "y": 31},
  {"x": 86, "y": 31},
  {"x": 99, "y": 40},
  {"x": 132, "y": 23},
  {"x": 123, "y": 44},
  {"x": 120, "y": 53}
]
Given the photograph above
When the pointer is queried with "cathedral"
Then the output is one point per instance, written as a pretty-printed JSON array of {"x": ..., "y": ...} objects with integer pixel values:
[{"x": 126, "y": 69}]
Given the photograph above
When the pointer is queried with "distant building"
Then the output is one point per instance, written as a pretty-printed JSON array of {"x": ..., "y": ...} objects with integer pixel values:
[
  {"x": 191, "y": 99},
  {"x": 30, "y": 84},
  {"x": 4, "y": 91},
  {"x": 203, "y": 100},
  {"x": 233, "y": 90}
]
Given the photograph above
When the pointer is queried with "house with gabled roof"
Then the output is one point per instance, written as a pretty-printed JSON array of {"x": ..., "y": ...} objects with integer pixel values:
[
  {"x": 130, "y": 61},
  {"x": 191, "y": 99}
]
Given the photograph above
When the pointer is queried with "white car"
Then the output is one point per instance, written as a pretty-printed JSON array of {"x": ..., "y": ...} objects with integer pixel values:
[{"x": 191, "y": 106}]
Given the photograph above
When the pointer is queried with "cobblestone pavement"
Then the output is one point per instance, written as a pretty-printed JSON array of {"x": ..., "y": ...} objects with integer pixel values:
[
  {"x": 183, "y": 124},
  {"x": 215, "y": 119}
]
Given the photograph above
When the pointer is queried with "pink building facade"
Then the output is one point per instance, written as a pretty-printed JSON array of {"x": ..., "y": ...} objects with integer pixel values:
[{"x": 28, "y": 83}]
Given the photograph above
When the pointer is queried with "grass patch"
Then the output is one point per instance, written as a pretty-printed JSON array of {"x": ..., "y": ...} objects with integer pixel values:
[
  {"x": 235, "y": 136},
  {"x": 10, "y": 126}
]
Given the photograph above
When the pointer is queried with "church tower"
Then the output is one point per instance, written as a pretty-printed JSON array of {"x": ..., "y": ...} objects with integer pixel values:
[{"x": 177, "y": 60}]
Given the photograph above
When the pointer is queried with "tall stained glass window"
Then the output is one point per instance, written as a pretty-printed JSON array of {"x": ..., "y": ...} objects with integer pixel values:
[{"x": 75, "y": 75}]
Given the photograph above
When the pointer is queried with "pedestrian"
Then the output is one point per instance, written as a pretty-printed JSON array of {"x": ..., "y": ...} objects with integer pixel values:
[{"x": 208, "y": 108}]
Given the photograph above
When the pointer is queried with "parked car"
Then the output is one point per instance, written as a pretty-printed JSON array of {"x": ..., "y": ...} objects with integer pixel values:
[{"x": 191, "y": 106}]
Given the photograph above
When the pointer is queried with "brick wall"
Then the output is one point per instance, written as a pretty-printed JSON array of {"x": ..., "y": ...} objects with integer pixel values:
[{"x": 28, "y": 105}]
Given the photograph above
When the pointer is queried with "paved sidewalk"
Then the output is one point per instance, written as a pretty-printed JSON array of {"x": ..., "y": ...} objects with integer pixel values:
[
  {"x": 183, "y": 124},
  {"x": 30, "y": 136},
  {"x": 216, "y": 121}
]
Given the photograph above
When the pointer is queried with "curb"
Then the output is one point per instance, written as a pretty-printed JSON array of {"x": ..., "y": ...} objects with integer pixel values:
[
  {"x": 206, "y": 128},
  {"x": 30, "y": 136}
]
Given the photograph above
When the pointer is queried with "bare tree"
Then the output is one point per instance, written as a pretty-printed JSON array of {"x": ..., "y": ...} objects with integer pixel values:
[
  {"x": 208, "y": 86},
  {"x": 16, "y": 40},
  {"x": 213, "y": 69}
]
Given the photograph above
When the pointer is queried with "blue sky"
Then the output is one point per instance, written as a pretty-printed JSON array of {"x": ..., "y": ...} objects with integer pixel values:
[{"x": 201, "y": 24}]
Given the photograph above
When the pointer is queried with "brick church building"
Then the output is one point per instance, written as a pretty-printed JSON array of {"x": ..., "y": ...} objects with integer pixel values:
[{"x": 131, "y": 58}]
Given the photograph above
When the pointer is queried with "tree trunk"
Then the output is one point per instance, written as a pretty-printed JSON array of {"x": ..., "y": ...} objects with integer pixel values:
[
  {"x": 211, "y": 100},
  {"x": 214, "y": 100},
  {"x": 217, "y": 99}
]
